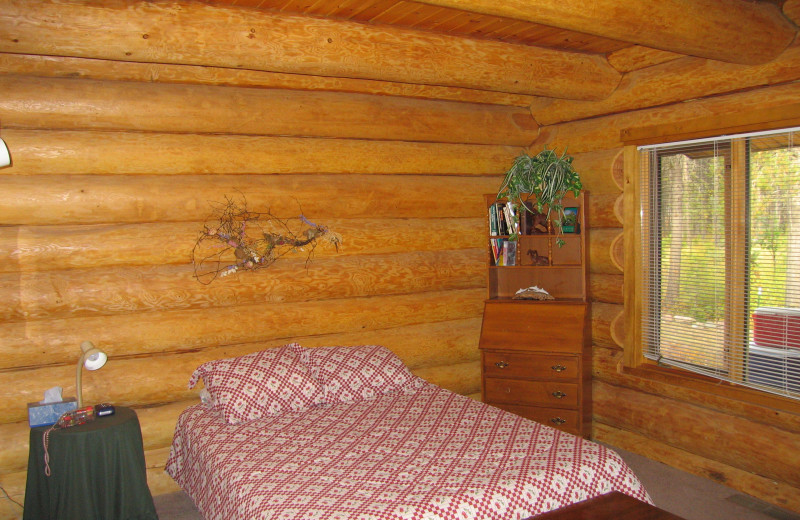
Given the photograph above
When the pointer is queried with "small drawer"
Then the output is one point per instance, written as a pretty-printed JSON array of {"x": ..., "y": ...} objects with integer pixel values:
[
  {"x": 519, "y": 365},
  {"x": 536, "y": 393},
  {"x": 565, "y": 420}
]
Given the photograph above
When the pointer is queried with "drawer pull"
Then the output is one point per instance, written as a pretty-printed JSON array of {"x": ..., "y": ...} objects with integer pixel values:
[
  {"x": 501, "y": 364},
  {"x": 558, "y": 368},
  {"x": 558, "y": 420},
  {"x": 558, "y": 394}
]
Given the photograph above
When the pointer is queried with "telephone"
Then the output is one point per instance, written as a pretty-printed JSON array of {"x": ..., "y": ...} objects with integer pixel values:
[
  {"x": 76, "y": 417},
  {"x": 67, "y": 419}
]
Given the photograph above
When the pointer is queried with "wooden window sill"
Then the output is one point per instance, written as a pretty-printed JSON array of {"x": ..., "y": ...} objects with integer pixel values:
[{"x": 683, "y": 378}]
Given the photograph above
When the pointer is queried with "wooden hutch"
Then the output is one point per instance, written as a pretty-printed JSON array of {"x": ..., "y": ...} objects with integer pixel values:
[{"x": 536, "y": 354}]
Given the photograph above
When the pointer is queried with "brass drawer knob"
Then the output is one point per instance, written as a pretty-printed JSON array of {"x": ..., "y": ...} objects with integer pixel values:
[
  {"x": 501, "y": 364},
  {"x": 558, "y": 420},
  {"x": 558, "y": 368},
  {"x": 558, "y": 394}
]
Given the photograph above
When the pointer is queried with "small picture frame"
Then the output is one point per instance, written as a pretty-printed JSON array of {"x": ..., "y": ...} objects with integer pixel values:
[{"x": 569, "y": 222}]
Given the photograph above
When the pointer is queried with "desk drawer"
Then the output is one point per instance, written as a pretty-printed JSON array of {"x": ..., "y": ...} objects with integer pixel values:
[
  {"x": 565, "y": 420},
  {"x": 537, "y": 393},
  {"x": 517, "y": 365}
]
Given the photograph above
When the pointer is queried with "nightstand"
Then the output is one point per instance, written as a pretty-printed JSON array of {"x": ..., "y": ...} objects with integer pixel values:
[{"x": 97, "y": 472}]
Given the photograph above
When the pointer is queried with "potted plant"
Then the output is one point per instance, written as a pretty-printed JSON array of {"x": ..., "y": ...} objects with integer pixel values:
[{"x": 545, "y": 177}]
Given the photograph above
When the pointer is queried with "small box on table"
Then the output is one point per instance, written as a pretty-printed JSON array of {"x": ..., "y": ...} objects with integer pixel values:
[{"x": 46, "y": 414}]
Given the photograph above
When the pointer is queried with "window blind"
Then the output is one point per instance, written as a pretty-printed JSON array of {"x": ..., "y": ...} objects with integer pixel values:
[{"x": 721, "y": 258}]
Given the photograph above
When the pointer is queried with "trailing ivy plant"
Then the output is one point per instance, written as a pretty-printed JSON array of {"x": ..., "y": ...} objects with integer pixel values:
[{"x": 545, "y": 177}]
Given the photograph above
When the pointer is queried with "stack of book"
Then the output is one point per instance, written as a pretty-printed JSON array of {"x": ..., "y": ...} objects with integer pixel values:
[
  {"x": 503, "y": 219},
  {"x": 504, "y": 251}
]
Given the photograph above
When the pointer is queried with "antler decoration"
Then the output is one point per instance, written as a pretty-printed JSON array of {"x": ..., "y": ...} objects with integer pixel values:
[{"x": 242, "y": 240}]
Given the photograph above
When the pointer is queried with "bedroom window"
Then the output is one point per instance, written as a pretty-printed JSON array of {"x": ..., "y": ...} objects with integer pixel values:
[{"x": 720, "y": 258}]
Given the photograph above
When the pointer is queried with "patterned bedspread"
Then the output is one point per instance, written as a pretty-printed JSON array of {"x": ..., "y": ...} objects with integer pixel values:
[{"x": 425, "y": 454}]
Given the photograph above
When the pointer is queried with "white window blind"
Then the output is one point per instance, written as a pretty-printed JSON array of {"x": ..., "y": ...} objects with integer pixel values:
[{"x": 721, "y": 258}]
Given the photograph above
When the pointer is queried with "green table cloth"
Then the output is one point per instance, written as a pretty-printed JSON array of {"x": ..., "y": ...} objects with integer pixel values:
[{"x": 97, "y": 471}]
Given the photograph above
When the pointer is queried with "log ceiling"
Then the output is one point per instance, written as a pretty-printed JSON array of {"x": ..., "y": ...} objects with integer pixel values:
[
  {"x": 737, "y": 31},
  {"x": 567, "y": 49},
  {"x": 439, "y": 18}
]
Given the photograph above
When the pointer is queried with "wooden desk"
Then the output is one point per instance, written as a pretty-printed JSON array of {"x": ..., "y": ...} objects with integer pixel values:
[{"x": 611, "y": 506}]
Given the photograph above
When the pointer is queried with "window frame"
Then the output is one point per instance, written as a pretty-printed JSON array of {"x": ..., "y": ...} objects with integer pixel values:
[{"x": 634, "y": 363}]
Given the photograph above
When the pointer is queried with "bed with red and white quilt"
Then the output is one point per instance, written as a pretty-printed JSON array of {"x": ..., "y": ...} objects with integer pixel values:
[{"x": 349, "y": 433}]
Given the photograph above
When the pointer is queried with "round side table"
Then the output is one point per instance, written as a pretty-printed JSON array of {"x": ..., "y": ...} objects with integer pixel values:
[{"x": 97, "y": 471}]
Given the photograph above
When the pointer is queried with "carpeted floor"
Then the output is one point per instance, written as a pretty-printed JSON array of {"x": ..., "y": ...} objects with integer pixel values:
[{"x": 686, "y": 495}]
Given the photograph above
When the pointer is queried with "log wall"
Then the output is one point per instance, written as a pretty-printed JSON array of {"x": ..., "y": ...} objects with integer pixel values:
[
  {"x": 115, "y": 168},
  {"x": 116, "y": 159},
  {"x": 747, "y": 444}
]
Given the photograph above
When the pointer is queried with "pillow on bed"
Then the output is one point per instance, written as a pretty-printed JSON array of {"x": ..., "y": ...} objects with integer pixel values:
[
  {"x": 350, "y": 374},
  {"x": 263, "y": 383}
]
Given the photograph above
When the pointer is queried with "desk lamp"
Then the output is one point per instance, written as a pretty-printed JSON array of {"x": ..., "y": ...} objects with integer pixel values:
[
  {"x": 92, "y": 358},
  {"x": 5, "y": 158}
]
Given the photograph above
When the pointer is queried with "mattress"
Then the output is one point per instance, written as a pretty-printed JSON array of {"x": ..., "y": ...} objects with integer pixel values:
[{"x": 425, "y": 453}]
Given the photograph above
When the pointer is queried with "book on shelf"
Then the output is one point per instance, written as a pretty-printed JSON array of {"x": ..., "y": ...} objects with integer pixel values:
[
  {"x": 510, "y": 218},
  {"x": 495, "y": 249},
  {"x": 496, "y": 212},
  {"x": 510, "y": 252},
  {"x": 493, "y": 229}
]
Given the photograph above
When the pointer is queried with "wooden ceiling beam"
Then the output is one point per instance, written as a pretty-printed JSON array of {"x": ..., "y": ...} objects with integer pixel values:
[
  {"x": 737, "y": 31},
  {"x": 237, "y": 38}
]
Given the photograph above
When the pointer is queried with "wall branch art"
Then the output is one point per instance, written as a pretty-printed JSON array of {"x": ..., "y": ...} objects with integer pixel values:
[{"x": 236, "y": 239}]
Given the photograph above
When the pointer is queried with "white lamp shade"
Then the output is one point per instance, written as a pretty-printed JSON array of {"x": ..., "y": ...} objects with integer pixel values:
[
  {"x": 95, "y": 360},
  {"x": 5, "y": 159}
]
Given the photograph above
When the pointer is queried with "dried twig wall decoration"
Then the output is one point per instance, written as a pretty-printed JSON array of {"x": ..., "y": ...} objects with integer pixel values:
[{"x": 241, "y": 240}]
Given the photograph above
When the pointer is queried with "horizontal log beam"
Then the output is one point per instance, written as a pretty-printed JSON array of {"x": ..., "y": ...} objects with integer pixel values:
[
  {"x": 139, "y": 381},
  {"x": 740, "y": 442},
  {"x": 96, "y": 199},
  {"x": 26, "y": 249},
  {"x": 196, "y": 34},
  {"x": 31, "y": 102},
  {"x": 64, "y": 67},
  {"x": 65, "y": 294},
  {"x": 673, "y": 82},
  {"x": 602, "y": 245},
  {"x": 159, "y": 332},
  {"x": 728, "y": 30},
  {"x": 778, "y": 493},
  {"x": 603, "y": 316},
  {"x": 596, "y": 169},
  {"x": 606, "y": 288},
  {"x": 38, "y": 152},
  {"x": 637, "y": 57},
  {"x": 601, "y": 210},
  {"x": 464, "y": 378},
  {"x": 604, "y": 132},
  {"x": 606, "y": 364},
  {"x": 54, "y": 152}
]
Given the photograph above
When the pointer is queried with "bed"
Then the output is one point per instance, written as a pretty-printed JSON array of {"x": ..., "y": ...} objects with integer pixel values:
[{"x": 350, "y": 433}]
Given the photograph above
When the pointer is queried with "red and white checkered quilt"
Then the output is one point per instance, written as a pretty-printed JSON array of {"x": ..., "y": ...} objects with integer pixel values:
[{"x": 423, "y": 454}]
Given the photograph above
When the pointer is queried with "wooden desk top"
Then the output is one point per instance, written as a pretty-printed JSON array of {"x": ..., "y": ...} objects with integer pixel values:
[{"x": 611, "y": 506}]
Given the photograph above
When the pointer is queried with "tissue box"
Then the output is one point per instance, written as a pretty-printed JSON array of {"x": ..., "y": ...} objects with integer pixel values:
[{"x": 47, "y": 414}]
